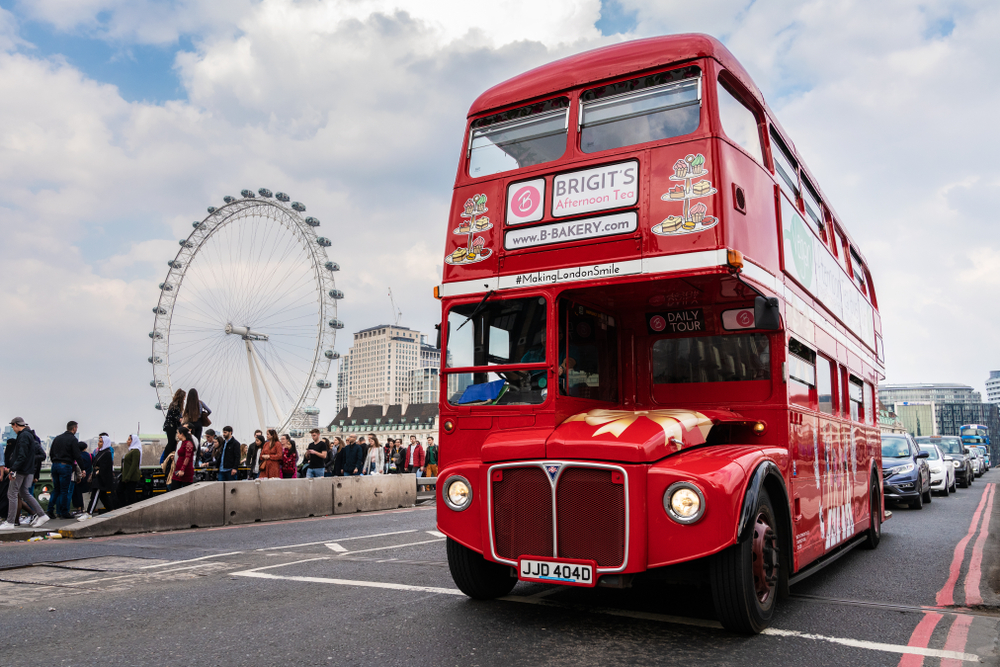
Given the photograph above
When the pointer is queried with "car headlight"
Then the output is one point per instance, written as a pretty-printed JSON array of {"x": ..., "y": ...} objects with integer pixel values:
[
  {"x": 684, "y": 502},
  {"x": 457, "y": 493},
  {"x": 899, "y": 470},
  {"x": 957, "y": 464}
]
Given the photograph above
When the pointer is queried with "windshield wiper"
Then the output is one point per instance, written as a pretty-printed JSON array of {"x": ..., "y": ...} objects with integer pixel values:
[{"x": 476, "y": 311}]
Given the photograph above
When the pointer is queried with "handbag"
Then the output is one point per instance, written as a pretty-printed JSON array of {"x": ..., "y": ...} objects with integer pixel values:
[{"x": 205, "y": 421}]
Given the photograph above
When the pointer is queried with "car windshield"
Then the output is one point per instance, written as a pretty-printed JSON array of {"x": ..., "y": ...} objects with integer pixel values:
[
  {"x": 932, "y": 452},
  {"x": 947, "y": 445},
  {"x": 894, "y": 448}
]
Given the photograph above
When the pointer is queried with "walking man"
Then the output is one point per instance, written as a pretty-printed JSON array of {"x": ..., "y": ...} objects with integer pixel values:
[
  {"x": 21, "y": 465},
  {"x": 65, "y": 455},
  {"x": 415, "y": 456},
  {"x": 316, "y": 453},
  {"x": 229, "y": 456},
  {"x": 431, "y": 462}
]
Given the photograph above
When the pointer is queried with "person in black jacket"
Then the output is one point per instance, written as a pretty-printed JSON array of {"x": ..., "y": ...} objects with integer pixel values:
[
  {"x": 21, "y": 467},
  {"x": 354, "y": 456},
  {"x": 229, "y": 456},
  {"x": 102, "y": 483},
  {"x": 65, "y": 456}
]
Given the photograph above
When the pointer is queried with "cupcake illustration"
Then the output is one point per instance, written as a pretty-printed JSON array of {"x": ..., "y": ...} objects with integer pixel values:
[
  {"x": 470, "y": 206},
  {"x": 477, "y": 246},
  {"x": 480, "y": 204},
  {"x": 698, "y": 164},
  {"x": 698, "y": 212},
  {"x": 680, "y": 169}
]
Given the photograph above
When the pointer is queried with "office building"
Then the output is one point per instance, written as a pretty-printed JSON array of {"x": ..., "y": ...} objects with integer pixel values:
[
  {"x": 930, "y": 392},
  {"x": 993, "y": 387}
]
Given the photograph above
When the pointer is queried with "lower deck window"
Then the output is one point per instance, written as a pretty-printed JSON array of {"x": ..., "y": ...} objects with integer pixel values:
[{"x": 733, "y": 358}]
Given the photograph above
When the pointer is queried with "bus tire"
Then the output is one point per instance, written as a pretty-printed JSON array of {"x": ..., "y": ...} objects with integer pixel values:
[
  {"x": 477, "y": 577},
  {"x": 874, "y": 533},
  {"x": 744, "y": 577}
]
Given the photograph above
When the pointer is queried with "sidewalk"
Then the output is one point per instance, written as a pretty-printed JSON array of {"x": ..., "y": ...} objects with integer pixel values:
[{"x": 25, "y": 532}]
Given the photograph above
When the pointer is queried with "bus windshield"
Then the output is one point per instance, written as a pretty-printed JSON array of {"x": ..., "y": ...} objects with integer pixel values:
[
  {"x": 948, "y": 445},
  {"x": 518, "y": 138},
  {"x": 733, "y": 358}
]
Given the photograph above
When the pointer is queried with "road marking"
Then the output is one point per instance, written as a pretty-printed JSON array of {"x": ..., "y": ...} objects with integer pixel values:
[
  {"x": 394, "y": 546},
  {"x": 946, "y": 596},
  {"x": 878, "y": 646},
  {"x": 257, "y": 574},
  {"x": 957, "y": 636},
  {"x": 435, "y": 533},
  {"x": 345, "y": 539},
  {"x": 973, "y": 576},
  {"x": 335, "y": 547},
  {"x": 920, "y": 638},
  {"x": 190, "y": 560},
  {"x": 294, "y": 562}
]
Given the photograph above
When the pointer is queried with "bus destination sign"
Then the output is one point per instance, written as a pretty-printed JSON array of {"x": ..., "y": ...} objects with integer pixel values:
[
  {"x": 676, "y": 321},
  {"x": 598, "y": 189}
]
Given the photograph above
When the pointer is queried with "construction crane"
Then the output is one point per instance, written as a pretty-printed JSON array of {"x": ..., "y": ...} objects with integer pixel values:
[{"x": 397, "y": 314}]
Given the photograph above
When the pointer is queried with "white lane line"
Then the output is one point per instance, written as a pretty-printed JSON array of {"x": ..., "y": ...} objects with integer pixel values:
[
  {"x": 394, "y": 546},
  {"x": 875, "y": 646},
  {"x": 190, "y": 560},
  {"x": 335, "y": 547},
  {"x": 344, "y": 539},
  {"x": 349, "y": 582},
  {"x": 268, "y": 567},
  {"x": 435, "y": 533}
]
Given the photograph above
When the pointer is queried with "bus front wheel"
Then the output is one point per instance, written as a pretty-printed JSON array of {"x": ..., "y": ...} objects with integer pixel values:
[
  {"x": 477, "y": 577},
  {"x": 744, "y": 577}
]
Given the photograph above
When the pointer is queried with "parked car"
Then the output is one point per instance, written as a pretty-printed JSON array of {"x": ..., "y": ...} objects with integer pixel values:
[
  {"x": 978, "y": 462},
  {"x": 906, "y": 477},
  {"x": 953, "y": 450},
  {"x": 942, "y": 471}
]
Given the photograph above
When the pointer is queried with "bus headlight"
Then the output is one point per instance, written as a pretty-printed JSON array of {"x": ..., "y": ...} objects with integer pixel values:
[
  {"x": 457, "y": 493},
  {"x": 684, "y": 502}
]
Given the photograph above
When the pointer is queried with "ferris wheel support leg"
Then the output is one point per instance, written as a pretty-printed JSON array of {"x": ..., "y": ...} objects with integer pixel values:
[
  {"x": 267, "y": 385},
  {"x": 256, "y": 390}
]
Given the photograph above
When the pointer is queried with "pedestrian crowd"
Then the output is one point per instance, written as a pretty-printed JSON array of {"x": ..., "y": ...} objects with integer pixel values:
[{"x": 193, "y": 451}]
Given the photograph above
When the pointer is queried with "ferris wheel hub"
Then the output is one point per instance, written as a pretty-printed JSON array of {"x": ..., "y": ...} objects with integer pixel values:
[{"x": 245, "y": 333}]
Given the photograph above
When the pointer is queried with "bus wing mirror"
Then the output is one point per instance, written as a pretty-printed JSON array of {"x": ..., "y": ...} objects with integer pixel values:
[
  {"x": 766, "y": 314},
  {"x": 438, "y": 327}
]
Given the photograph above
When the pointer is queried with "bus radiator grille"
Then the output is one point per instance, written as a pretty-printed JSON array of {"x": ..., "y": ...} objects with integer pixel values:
[
  {"x": 522, "y": 513},
  {"x": 591, "y": 516}
]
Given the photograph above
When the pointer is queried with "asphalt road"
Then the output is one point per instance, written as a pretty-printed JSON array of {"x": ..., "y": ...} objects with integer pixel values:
[{"x": 375, "y": 589}]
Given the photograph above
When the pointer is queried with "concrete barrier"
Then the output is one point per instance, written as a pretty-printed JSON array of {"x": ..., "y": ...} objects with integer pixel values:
[
  {"x": 275, "y": 500},
  {"x": 195, "y": 506},
  {"x": 375, "y": 492},
  {"x": 233, "y": 503}
]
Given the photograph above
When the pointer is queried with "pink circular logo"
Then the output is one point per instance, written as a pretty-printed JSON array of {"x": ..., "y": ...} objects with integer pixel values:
[
  {"x": 744, "y": 318},
  {"x": 657, "y": 323},
  {"x": 525, "y": 201}
]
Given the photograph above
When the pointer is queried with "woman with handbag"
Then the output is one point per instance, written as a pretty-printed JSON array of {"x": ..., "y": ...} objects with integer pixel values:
[
  {"x": 196, "y": 414},
  {"x": 182, "y": 470},
  {"x": 171, "y": 422},
  {"x": 375, "y": 459},
  {"x": 270, "y": 457}
]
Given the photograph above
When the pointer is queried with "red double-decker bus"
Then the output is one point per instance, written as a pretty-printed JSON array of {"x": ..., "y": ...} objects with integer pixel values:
[{"x": 662, "y": 346}]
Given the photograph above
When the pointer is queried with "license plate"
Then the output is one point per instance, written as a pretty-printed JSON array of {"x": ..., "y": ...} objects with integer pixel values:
[{"x": 566, "y": 572}]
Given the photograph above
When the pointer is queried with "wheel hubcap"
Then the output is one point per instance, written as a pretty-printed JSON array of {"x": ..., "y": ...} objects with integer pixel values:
[{"x": 765, "y": 558}]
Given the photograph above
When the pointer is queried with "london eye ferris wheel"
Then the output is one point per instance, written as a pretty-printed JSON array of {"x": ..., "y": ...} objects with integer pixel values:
[{"x": 247, "y": 315}]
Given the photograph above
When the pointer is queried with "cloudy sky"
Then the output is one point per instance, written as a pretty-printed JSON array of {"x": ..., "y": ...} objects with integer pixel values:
[{"x": 121, "y": 120}]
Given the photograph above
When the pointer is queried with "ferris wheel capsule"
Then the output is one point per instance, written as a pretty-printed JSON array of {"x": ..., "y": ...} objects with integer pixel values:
[
  {"x": 166, "y": 287},
  {"x": 184, "y": 243},
  {"x": 174, "y": 264},
  {"x": 336, "y": 294},
  {"x": 155, "y": 360},
  {"x": 156, "y": 383},
  {"x": 336, "y": 324},
  {"x": 229, "y": 199},
  {"x": 264, "y": 192},
  {"x": 312, "y": 222},
  {"x": 160, "y": 311},
  {"x": 197, "y": 224},
  {"x": 330, "y": 354},
  {"x": 156, "y": 335},
  {"x": 311, "y": 410},
  {"x": 211, "y": 209},
  {"x": 281, "y": 196},
  {"x": 324, "y": 384},
  {"x": 159, "y": 407},
  {"x": 299, "y": 206},
  {"x": 332, "y": 266},
  {"x": 247, "y": 194},
  {"x": 323, "y": 241}
]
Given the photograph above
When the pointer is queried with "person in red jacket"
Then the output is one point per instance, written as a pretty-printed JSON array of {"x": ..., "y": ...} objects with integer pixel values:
[
  {"x": 414, "y": 461},
  {"x": 183, "y": 470}
]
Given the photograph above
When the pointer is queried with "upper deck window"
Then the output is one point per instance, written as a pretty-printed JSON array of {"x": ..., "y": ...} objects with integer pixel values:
[
  {"x": 785, "y": 167},
  {"x": 648, "y": 108},
  {"x": 814, "y": 210},
  {"x": 521, "y": 137},
  {"x": 859, "y": 272},
  {"x": 739, "y": 122},
  {"x": 732, "y": 358}
]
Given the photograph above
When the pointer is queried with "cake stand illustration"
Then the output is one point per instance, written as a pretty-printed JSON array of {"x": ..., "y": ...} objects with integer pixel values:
[
  {"x": 473, "y": 220},
  {"x": 694, "y": 217}
]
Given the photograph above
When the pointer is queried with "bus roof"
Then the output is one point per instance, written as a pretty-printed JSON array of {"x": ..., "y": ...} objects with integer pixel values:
[{"x": 608, "y": 62}]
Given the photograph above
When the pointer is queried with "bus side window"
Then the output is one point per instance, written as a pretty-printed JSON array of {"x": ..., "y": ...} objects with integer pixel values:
[
  {"x": 813, "y": 209},
  {"x": 857, "y": 399},
  {"x": 785, "y": 167},
  {"x": 801, "y": 375},
  {"x": 739, "y": 122},
  {"x": 859, "y": 272},
  {"x": 825, "y": 385},
  {"x": 870, "y": 404}
]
